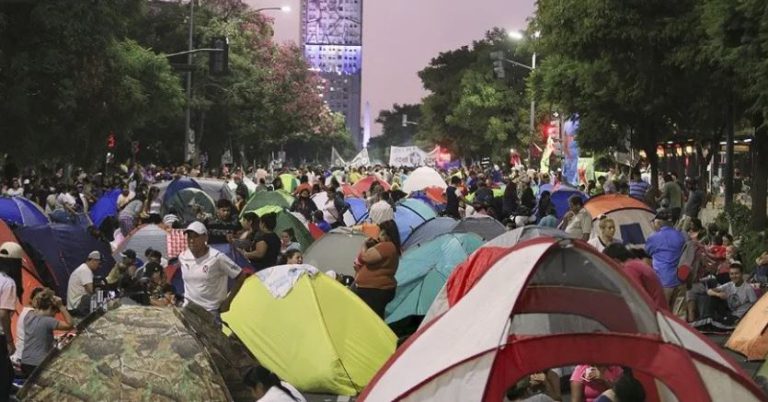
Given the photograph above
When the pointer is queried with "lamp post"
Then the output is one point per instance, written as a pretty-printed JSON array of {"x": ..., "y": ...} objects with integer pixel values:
[
  {"x": 285, "y": 9},
  {"x": 189, "y": 135},
  {"x": 518, "y": 36}
]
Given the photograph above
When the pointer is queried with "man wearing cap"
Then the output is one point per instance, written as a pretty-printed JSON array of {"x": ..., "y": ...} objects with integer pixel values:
[
  {"x": 125, "y": 267},
  {"x": 206, "y": 271},
  {"x": 665, "y": 248},
  {"x": 10, "y": 260},
  {"x": 80, "y": 286}
]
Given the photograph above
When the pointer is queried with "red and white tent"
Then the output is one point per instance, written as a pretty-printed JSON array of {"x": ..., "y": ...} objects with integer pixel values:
[
  {"x": 632, "y": 216},
  {"x": 551, "y": 303}
]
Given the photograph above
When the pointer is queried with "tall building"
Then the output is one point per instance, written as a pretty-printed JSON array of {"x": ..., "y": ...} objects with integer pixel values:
[{"x": 332, "y": 40}]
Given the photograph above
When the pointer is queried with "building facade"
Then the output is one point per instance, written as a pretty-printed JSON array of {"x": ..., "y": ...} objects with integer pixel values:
[{"x": 332, "y": 41}]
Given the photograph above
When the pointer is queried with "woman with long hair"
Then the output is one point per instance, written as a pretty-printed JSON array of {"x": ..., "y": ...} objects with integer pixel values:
[
  {"x": 269, "y": 388},
  {"x": 375, "y": 268}
]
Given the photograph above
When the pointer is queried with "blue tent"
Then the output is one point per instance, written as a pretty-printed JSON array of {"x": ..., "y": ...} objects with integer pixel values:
[
  {"x": 64, "y": 247},
  {"x": 176, "y": 185},
  {"x": 560, "y": 199},
  {"x": 105, "y": 207},
  {"x": 420, "y": 207},
  {"x": 19, "y": 212},
  {"x": 357, "y": 211},
  {"x": 409, "y": 215},
  {"x": 424, "y": 270},
  {"x": 430, "y": 229}
]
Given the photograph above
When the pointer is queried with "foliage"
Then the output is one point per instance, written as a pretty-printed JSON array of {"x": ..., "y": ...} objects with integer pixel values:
[
  {"x": 393, "y": 133},
  {"x": 469, "y": 111},
  {"x": 738, "y": 220}
]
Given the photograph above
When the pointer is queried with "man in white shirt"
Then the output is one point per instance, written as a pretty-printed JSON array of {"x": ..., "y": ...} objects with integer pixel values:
[
  {"x": 80, "y": 286},
  {"x": 577, "y": 221},
  {"x": 206, "y": 272},
  {"x": 16, "y": 189},
  {"x": 10, "y": 260}
]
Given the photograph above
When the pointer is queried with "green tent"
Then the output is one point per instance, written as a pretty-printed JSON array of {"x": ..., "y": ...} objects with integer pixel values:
[
  {"x": 286, "y": 220},
  {"x": 289, "y": 182},
  {"x": 142, "y": 353},
  {"x": 262, "y": 199}
]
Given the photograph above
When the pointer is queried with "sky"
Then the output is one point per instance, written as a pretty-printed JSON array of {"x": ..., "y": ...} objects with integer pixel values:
[{"x": 400, "y": 37}]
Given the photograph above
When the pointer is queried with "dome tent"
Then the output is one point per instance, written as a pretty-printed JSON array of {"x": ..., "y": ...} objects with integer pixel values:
[{"x": 550, "y": 303}]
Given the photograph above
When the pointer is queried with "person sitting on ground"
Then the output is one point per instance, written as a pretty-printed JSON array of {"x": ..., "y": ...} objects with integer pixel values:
[
  {"x": 80, "y": 286},
  {"x": 125, "y": 267},
  {"x": 538, "y": 387},
  {"x": 738, "y": 295},
  {"x": 588, "y": 381},
  {"x": 375, "y": 268},
  {"x": 606, "y": 234},
  {"x": 626, "y": 389},
  {"x": 20, "y": 336},
  {"x": 38, "y": 329},
  {"x": 550, "y": 219},
  {"x": 269, "y": 388},
  {"x": 161, "y": 293},
  {"x": 288, "y": 241}
]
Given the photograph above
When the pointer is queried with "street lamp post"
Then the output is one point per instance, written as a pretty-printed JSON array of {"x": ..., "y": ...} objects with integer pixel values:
[
  {"x": 285, "y": 9},
  {"x": 189, "y": 135},
  {"x": 517, "y": 35}
]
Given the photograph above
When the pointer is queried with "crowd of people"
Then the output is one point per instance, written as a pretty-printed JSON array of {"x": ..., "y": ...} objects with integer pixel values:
[{"x": 716, "y": 292}]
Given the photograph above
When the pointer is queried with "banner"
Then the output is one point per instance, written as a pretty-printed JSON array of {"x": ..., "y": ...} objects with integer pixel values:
[
  {"x": 571, "y": 151},
  {"x": 412, "y": 156},
  {"x": 361, "y": 159},
  {"x": 336, "y": 160}
]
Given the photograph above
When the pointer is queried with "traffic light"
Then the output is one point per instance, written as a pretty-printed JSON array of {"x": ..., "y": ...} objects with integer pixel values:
[
  {"x": 111, "y": 141},
  {"x": 498, "y": 64},
  {"x": 218, "y": 62}
]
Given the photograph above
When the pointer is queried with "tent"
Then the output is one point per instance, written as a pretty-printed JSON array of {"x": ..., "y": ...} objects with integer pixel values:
[
  {"x": 319, "y": 336},
  {"x": 143, "y": 238},
  {"x": 549, "y": 304},
  {"x": 63, "y": 248},
  {"x": 217, "y": 189},
  {"x": 466, "y": 274},
  {"x": 430, "y": 229},
  {"x": 433, "y": 196},
  {"x": 422, "y": 178},
  {"x": 29, "y": 276},
  {"x": 336, "y": 250},
  {"x": 364, "y": 185},
  {"x": 144, "y": 353},
  {"x": 409, "y": 215},
  {"x": 289, "y": 182},
  {"x": 19, "y": 211},
  {"x": 750, "y": 338},
  {"x": 423, "y": 271},
  {"x": 188, "y": 203},
  {"x": 285, "y": 220},
  {"x": 249, "y": 184},
  {"x": 357, "y": 211},
  {"x": 560, "y": 197},
  {"x": 484, "y": 226},
  {"x": 104, "y": 207},
  {"x": 632, "y": 216},
  {"x": 169, "y": 189},
  {"x": 262, "y": 199}
]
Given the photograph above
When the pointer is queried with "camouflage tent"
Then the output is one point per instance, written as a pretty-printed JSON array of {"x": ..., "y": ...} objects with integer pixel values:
[{"x": 138, "y": 353}]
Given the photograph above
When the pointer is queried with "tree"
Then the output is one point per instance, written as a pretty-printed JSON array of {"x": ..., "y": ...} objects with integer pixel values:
[
  {"x": 393, "y": 132},
  {"x": 469, "y": 110},
  {"x": 618, "y": 65}
]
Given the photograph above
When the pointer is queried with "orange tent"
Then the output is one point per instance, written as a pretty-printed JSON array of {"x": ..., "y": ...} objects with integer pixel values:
[
  {"x": 29, "y": 277},
  {"x": 750, "y": 338}
]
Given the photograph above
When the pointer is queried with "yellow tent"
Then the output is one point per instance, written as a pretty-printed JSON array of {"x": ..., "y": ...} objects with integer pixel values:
[{"x": 320, "y": 336}]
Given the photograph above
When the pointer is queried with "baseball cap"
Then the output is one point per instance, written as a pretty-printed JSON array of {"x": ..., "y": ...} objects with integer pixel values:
[
  {"x": 128, "y": 254},
  {"x": 12, "y": 250},
  {"x": 663, "y": 215},
  {"x": 94, "y": 255},
  {"x": 196, "y": 227}
]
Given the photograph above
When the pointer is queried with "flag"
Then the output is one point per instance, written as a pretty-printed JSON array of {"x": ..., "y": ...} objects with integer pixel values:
[
  {"x": 336, "y": 159},
  {"x": 361, "y": 159}
]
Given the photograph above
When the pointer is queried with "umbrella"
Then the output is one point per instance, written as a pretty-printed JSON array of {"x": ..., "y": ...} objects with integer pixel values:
[
  {"x": 19, "y": 211},
  {"x": 423, "y": 271},
  {"x": 144, "y": 353}
]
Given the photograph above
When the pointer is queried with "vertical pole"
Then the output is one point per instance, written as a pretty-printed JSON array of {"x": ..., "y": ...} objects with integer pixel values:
[
  {"x": 189, "y": 136},
  {"x": 729, "y": 138},
  {"x": 533, "y": 116}
]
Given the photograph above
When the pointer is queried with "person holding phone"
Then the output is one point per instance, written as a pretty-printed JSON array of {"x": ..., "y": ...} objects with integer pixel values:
[{"x": 589, "y": 381}]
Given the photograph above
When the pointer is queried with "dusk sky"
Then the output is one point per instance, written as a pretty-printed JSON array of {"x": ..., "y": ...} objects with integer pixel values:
[{"x": 400, "y": 37}]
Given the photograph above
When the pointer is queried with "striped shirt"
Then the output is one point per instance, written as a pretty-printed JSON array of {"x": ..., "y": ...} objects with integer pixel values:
[{"x": 637, "y": 189}]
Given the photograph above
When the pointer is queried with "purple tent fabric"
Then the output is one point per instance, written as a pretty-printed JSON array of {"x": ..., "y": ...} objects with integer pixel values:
[{"x": 20, "y": 212}]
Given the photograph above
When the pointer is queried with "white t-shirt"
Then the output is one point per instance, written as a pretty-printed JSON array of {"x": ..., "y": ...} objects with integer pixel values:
[
  {"x": 275, "y": 394},
  {"x": 15, "y": 191},
  {"x": 579, "y": 225},
  {"x": 205, "y": 278},
  {"x": 7, "y": 294},
  {"x": 20, "y": 333},
  {"x": 76, "y": 285},
  {"x": 65, "y": 199}
]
